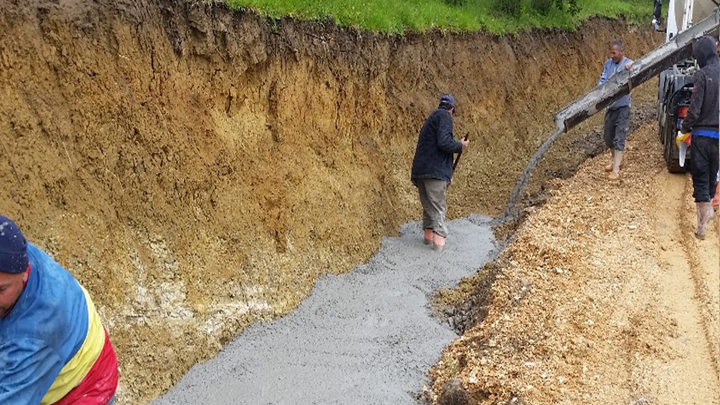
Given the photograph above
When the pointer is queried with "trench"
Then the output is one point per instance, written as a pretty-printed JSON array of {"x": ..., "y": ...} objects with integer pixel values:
[
  {"x": 363, "y": 337},
  {"x": 369, "y": 335},
  {"x": 198, "y": 169}
]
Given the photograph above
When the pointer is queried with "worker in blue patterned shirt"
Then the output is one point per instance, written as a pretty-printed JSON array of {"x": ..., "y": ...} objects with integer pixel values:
[{"x": 617, "y": 116}]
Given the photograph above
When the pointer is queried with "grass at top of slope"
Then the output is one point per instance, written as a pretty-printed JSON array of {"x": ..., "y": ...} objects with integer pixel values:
[{"x": 401, "y": 16}]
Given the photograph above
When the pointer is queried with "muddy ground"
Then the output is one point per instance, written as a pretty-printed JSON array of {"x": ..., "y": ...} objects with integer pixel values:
[
  {"x": 197, "y": 169},
  {"x": 603, "y": 297}
]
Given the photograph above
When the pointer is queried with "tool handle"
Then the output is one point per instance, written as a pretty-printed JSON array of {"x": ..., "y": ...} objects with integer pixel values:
[{"x": 457, "y": 159}]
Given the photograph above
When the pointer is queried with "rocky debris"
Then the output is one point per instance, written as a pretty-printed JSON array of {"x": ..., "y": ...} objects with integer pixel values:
[{"x": 453, "y": 394}]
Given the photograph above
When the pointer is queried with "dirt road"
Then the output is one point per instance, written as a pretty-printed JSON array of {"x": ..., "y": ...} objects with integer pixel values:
[
  {"x": 604, "y": 297},
  {"x": 689, "y": 287}
]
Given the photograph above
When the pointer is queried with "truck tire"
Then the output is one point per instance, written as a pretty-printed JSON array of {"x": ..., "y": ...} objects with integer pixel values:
[
  {"x": 661, "y": 124},
  {"x": 661, "y": 107}
]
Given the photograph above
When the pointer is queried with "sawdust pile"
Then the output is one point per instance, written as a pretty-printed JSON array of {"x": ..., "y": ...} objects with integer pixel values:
[{"x": 575, "y": 307}]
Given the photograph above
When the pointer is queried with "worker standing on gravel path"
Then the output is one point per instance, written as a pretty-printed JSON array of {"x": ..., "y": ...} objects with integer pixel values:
[
  {"x": 701, "y": 125},
  {"x": 617, "y": 116},
  {"x": 432, "y": 168},
  {"x": 657, "y": 11},
  {"x": 53, "y": 348}
]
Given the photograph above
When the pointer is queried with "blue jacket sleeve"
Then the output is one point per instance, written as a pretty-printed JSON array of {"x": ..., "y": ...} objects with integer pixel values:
[
  {"x": 28, "y": 367},
  {"x": 605, "y": 75},
  {"x": 445, "y": 140}
]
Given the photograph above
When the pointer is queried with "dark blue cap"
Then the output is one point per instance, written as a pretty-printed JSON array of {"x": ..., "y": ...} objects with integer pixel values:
[
  {"x": 13, "y": 248},
  {"x": 447, "y": 99}
]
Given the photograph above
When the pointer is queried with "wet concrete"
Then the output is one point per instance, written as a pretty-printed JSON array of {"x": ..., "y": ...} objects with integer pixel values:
[{"x": 364, "y": 337}]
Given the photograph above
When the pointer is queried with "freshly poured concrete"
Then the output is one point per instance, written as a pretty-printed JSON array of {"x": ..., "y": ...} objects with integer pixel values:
[{"x": 364, "y": 337}]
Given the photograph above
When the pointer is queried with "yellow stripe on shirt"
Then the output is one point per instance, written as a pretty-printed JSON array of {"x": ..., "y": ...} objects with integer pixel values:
[{"x": 77, "y": 368}]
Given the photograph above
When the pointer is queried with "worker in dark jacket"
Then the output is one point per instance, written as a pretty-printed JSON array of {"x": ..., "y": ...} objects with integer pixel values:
[
  {"x": 432, "y": 168},
  {"x": 657, "y": 10},
  {"x": 701, "y": 125}
]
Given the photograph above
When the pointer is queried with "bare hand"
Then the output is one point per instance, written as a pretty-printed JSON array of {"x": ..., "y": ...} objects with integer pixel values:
[
  {"x": 628, "y": 66},
  {"x": 464, "y": 144}
]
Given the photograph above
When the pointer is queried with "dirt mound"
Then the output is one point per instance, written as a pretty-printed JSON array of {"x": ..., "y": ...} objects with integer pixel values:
[
  {"x": 468, "y": 304},
  {"x": 197, "y": 169},
  {"x": 604, "y": 297}
]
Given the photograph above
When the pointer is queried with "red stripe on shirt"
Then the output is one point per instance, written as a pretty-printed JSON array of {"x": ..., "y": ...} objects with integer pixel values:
[{"x": 99, "y": 384}]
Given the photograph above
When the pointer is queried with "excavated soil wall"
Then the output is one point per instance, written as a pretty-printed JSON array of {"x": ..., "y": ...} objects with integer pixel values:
[{"x": 197, "y": 168}]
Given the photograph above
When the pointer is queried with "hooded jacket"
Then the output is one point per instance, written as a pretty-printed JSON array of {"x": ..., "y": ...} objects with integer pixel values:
[
  {"x": 702, "y": 116},
  {"x": 435, "y": 148}
]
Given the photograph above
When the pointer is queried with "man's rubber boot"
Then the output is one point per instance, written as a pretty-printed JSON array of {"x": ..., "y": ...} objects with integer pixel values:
[
  {"x": 609, "y": 167},
  {"x": 428, "y": 236},
  {"x": 617, "y": 161},
  {"x": 438, "y": 242},
  {"x": 705, "y": 213},
  {"x": 709, "y": 213},
  {"x": 700, "y": 227}
]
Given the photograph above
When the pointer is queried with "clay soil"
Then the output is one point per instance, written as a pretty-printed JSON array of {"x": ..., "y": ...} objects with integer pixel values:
[
  {"x": 197, "y": 169},
  {"x": 604, "y": 297}
]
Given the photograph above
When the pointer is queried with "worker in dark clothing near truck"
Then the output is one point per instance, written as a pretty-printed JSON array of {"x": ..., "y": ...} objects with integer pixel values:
[
  {"x": 657, "y": 10},
  {"x": 700, "y": 128},
  {"x": 432, "y": 168}
]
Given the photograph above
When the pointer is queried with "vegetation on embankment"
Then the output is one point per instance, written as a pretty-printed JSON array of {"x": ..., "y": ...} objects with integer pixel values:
[{"x": 455, "y": 15}]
